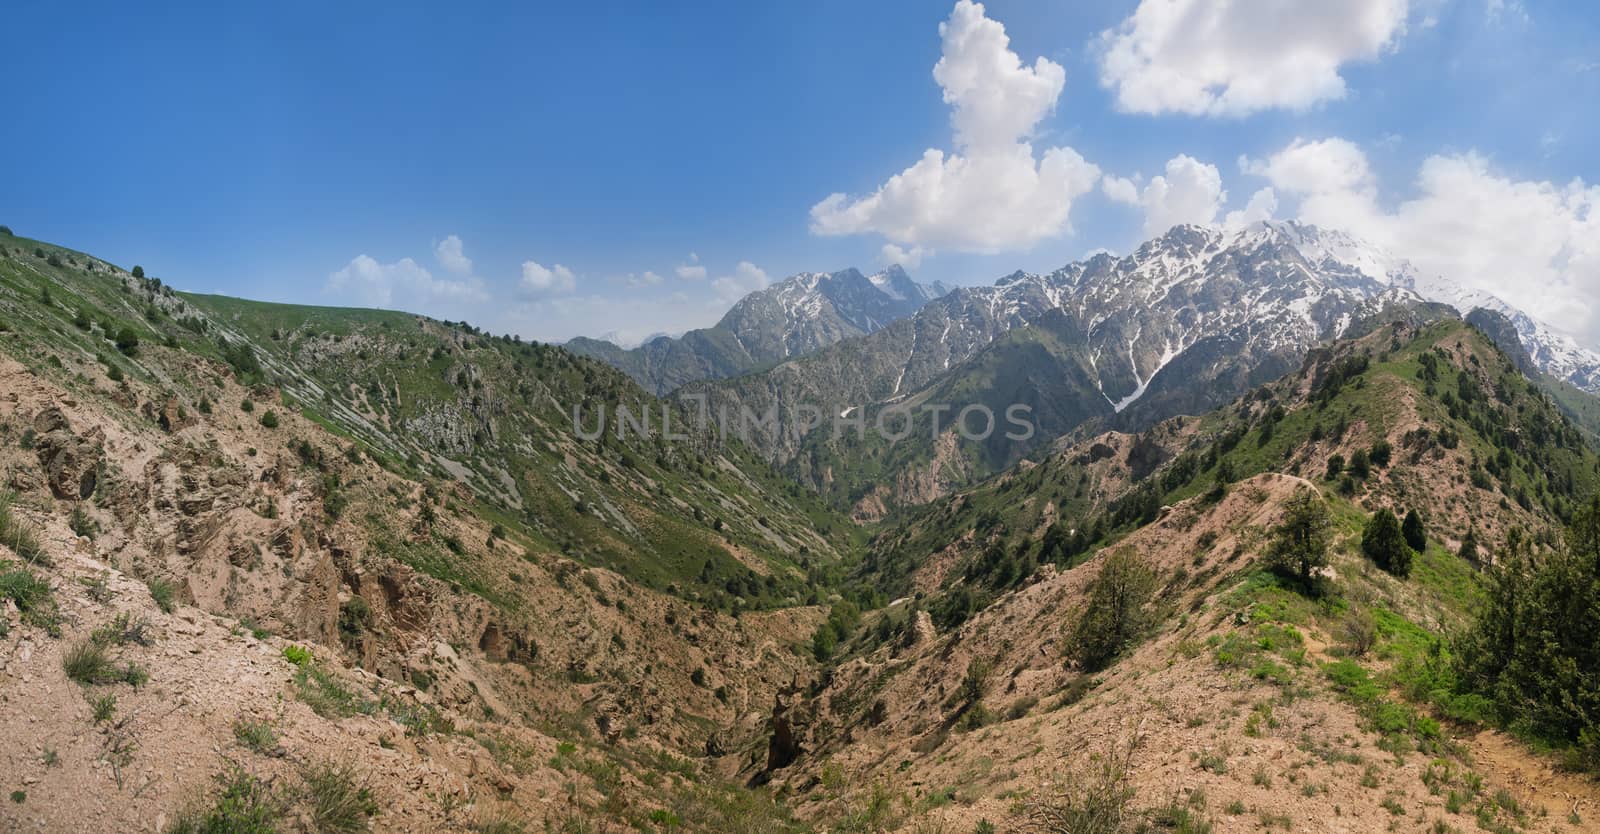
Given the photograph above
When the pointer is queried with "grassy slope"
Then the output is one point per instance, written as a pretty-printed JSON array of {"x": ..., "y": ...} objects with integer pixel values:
[{"x": 709, "y": 520}]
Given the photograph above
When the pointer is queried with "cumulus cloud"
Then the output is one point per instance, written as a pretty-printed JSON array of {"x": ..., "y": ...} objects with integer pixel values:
[
  {"x": 746, "y": 279},
  {"x": 1262, "y": 205},
  {"x": 1235, "y": 57},
  {"x": 537, "y": 279},
  {"x": 692, "y": 270},
  {"x": 1190, "y": 191},
  {"x": 381, "y": 285},
  {"x": 451, "y": 256},
  {"x": 1534, "y": 243},
  {"x": 910, "y": 258},
  {"x": 643, "y": 279},
  {"x": 993, "y": 192}
]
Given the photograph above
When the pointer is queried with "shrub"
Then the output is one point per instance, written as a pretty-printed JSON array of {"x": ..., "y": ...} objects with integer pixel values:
[
  {"x": 105, "y": 708},
  {"x": 128, "y": 342},
  {"x": 1094, "y": 804},
  {"x": 81, "y": 524},
  {"x": 88, "y": 664},
  {"x": 32, "y": 597},
  {"x": 246, "y": 805},
  {"x": 164, "y": 592},
  {"x": 18, "y": 534},
  {"x": 1384, "y": 543},
  {"x": 337, "y": 802},
  {"x": 270, "y": 419},
  {"x": 255, "y": 735},
  {"x": 138, "y": 271},
  {"x": 297, "y": 655}
]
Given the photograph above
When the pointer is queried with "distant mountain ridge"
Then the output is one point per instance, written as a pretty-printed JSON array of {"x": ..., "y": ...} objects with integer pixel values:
[
  {"x": 799, "y": 315},
  {"x": 1182, "y": 325}
]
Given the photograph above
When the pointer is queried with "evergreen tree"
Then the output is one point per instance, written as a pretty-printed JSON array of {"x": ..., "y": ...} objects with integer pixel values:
[
  {"x": 1301, "y": 540},
  {"x": 1115, "y": 616},
  {"x": 1533, "y": 651},
  {"x": 1415, "y": 532},
  {"x": 1385, "y": 545}
]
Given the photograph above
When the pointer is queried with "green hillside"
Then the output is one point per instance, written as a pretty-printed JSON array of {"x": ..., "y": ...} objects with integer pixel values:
[{"x": 447, "y": 403}]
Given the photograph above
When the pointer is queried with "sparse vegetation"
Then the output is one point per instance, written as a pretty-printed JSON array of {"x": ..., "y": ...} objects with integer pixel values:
[
  {"x": 337, "y": 800},
  {"x": 164, "y": 592},
  {"x": 244, "y": 805},
  {"x": 18, "y": 534}
]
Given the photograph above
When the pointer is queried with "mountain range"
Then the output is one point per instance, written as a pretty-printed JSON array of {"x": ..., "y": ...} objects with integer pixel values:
[
  {"x": 1183, "y": 324},
  {"x": 796, "y": 316}
]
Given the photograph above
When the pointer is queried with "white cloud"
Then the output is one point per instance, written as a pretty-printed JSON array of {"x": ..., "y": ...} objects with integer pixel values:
[
  {"x": 1121, "y": 189},
  {"x": 538, "y": 279},
  {"x": 1189, "y": 191},
  {"x": 643, "y": 279},
  {"x": 450, "y": 256},
  {"x": 1534, "y": 243},
  {"x": 380, "y": 285},
  {"x": 910, "y": 258},
  {"x": 1235, "y": 57},
  {"x": 993, "y": 192},
  {"x": 746, "y": 279},
  {"x": 1262, "y": 205},
  {"x": 691, "y": 271}
]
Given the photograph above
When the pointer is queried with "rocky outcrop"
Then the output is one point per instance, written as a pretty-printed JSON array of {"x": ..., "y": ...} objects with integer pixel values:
[{"x": 71, "y": 463}]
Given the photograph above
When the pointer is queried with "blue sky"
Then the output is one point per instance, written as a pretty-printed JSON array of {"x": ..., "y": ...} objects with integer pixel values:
[{"x": 630, "y": 167}]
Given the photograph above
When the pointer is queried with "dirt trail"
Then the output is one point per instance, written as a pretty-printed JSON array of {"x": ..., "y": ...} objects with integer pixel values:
[{"x": 1535, "y": 780}]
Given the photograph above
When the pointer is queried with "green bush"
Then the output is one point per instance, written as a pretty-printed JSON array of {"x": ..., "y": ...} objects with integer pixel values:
[
  {"x": 255, "y": 735},
  {"x": 1384, "y": 543},
  {"x": 32, "y": 597},
  {"x": 246, "y": 805},
  {"x": 270, "y": 419},
  {"x": 128, "y": 341},
  {"x": 88, "y": 664},
  {"x": 164, "y": 592}
]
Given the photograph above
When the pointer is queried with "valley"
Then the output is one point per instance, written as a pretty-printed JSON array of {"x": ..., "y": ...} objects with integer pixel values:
[{"x": 275, "y": 567}]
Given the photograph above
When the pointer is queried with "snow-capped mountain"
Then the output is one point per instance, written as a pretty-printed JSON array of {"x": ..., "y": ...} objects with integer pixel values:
[
  {"x": 1183, "y": 324},
  {"x": 796, "y": 316},
  {"x": 1553, "y": 352},
  {"x": 813, "y": 310},
  {"x": 1269, "y": 289}
]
